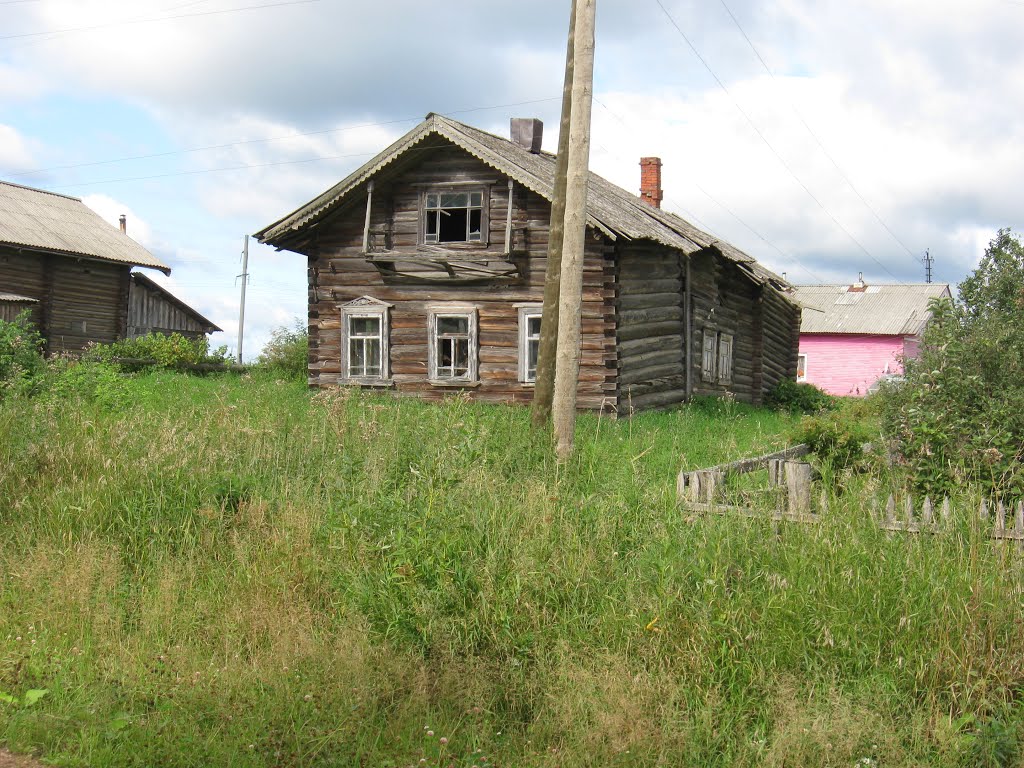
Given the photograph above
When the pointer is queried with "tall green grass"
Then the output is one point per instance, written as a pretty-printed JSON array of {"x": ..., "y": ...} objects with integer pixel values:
[{"x": 228, "y": 571}]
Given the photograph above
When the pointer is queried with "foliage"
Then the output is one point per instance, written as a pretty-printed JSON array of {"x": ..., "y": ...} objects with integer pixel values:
[
  {"x": 21, "y": 353},
  {"x": 838, "y": 436},
  {"x": 287, "y": 352},
  {"x": 169, "y": 351},
  {"x": 799, "y": 397},
  {"x": 959, "y": 416},
  {"x": 72, "y": 380}
]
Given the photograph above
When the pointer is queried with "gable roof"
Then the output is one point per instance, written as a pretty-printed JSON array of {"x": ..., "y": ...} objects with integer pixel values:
[
  {"x": 885, "y": 310},
  {"x": 47, "y": 221},
  {"x": 610, "y": 209},
  {"x": 141, "y": 280}
]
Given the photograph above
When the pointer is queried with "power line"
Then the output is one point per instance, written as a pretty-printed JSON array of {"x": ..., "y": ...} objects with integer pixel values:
[
  {"x": 125, "y": 22},
  {"x": 244, "y": 142},
  {"x": 815, "y": 136},
  {"x": 705, "y": 227},
  {"x": 768, "y": 144}
]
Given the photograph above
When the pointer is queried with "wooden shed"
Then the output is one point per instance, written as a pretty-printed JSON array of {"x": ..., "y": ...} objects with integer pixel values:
[
  {"x": 72, "y": 266},
  {"x": 426, "y": 274},
  {"x": 12, "y": 305},
  {"x": 154, "y": 309}
]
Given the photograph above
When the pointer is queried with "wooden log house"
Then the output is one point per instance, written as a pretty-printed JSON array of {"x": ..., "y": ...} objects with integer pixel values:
[
  {"x": 154, "y": 309},
  {"x": 426, "y": 273},
  {"x": 67, "y": 266}
]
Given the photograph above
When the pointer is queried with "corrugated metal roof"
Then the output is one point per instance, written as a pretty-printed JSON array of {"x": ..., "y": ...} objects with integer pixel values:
[
  {"x": 610, "y": 209},
  {"x": 35, "y": 218},
  {"x": 16, "y": 299},
  {"x": 887, "y": 310}
]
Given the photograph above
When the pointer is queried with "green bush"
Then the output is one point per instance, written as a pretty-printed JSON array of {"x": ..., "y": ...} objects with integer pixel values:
[
  {"x": 838, "y": 436},
  {"x": 168, "y": 351},
  {"x": 92, "y": 381},
  {"x": 287, "y": 352},
  {"x": 959, "y": 415},
  {"x": 797, "y": 397},
  {"x": 21, "y": 353}
]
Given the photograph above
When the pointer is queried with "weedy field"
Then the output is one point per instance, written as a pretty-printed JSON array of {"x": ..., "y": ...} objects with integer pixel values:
[{"x": 233, "y": 571}]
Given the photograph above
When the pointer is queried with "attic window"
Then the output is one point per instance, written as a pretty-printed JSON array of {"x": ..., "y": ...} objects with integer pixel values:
[{"x": 453, "y": 217}]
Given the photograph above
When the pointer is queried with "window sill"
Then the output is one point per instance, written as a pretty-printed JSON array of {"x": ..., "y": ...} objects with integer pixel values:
[
  {"x": 454, "y": 383},
  {"x": 370, "y": 383}
]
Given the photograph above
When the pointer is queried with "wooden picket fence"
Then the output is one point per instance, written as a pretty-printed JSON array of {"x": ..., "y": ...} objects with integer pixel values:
[{"x": 791, "y": 483}]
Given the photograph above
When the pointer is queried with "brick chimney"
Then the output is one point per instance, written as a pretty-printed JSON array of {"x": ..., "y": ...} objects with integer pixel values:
[
  {"x": 528, "y": 133},
  {"x": 650, "y": 181},
  {"x": 124, "y": 223}
]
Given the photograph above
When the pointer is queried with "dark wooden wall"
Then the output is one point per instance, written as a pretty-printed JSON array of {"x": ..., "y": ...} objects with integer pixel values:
[
  {"x": 338, "y": 273},
  {"x": 634, "y": 324},
  {"x": 9, "y": 310},
  {"x": 651, "y": 327},
  {"x": 781, "y": 340},
  {"x": 150, "y": 311},
  {"x": 70, "y": 292}
]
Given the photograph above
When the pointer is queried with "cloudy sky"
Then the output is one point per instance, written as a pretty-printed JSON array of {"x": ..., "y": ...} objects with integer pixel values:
[{"x": 824, "y": 137}]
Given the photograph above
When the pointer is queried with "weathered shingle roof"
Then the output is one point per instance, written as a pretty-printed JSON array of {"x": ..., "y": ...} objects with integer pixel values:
[
  {"x": 610, "y": 209},
  {"x": 886, "y": 310},
  {"x": 14, "y": 298},
  {"x": 35, "y": 218}
]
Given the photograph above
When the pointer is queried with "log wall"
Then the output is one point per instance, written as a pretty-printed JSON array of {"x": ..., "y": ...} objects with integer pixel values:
[
  {"x": 651, "y": 327},
  {"x": 80, "y": 301},
  {"x": 150, "y": 311},
  {"x": 339, "y": 272},
  {"x": 726, "y": 301}
]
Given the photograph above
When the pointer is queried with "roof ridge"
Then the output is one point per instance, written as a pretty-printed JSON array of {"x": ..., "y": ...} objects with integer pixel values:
[{"x": 37, "y": 189}]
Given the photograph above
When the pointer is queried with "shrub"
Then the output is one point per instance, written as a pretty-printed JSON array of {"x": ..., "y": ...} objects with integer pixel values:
[
  {"x": 287, "y": 352},
  {"x": 92, "y": 381},
  {"x": 959, "y": 415},
  {"x": 838, "y": 436},
  {"x": 21, "y": 353},
  {"x": 170, "y": 351},
  {"x": 797, "y": 397}
]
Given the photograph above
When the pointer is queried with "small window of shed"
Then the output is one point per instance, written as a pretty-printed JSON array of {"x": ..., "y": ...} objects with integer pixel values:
[{"x": 709, "y": 356}]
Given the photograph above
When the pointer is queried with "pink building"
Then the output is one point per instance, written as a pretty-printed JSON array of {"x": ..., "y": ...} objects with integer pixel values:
[{"x": 852, "y": 335}]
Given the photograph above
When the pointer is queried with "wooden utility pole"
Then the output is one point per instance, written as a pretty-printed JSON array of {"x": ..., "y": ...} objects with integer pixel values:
[
  {"x": 570, "y": 293},
  {"x": 241, "y": 303},
  {"x": 545, "y": 384}
]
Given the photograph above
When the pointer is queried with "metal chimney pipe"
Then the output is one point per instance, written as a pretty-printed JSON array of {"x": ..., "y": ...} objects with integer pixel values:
[{"x": 124, "y": 223}]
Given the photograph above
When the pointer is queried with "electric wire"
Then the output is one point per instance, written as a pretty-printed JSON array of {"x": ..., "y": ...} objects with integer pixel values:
[
  {"x": 814, "y": 136},
  {"x": 770, "y": 146},
  {"x": 787, "y": 256},
  {"x": 243, "y": 142},
  {"x": 125, "y": 22}
]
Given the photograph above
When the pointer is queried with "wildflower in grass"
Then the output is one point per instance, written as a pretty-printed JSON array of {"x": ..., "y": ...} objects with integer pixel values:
[
  {"x": 430, "y": 733},
  {"x": 444, "y": 740}
]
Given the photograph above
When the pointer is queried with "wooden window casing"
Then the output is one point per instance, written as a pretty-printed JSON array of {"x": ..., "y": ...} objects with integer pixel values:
[
  {"x": 453, "y": 216},
  {"x": 364, "y": 342},
  {"x": 709, "y": 355},
  {"x": 529, "y": 341},
  {"x": 452, "y": 350},
  {"x": 724, "y": 358}
]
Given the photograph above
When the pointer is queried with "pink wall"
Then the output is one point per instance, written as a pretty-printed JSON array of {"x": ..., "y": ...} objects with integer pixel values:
[{"x": 847, "y": 364}]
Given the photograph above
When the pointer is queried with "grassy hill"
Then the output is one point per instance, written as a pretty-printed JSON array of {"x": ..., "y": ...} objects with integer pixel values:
[{"x": 232, "y": 571}]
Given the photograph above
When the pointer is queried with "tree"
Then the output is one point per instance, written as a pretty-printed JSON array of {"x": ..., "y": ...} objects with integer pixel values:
[{"x": 959, "y": 416}]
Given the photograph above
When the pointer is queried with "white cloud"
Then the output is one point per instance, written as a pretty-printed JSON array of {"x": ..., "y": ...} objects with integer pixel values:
[{"x": 15, "y": 151}]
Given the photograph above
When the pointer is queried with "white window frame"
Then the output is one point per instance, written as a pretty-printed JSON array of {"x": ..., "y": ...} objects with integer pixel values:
[
  {"x": 526, "y": 313},
  {"x": 437, "y": 211},
  {"x": 366, "y": 307},
  {"x": 725, "y": 356},
  {"x": 435, "y": 313},
  {"x": 800, "y": 377},
  {"x": 709, "y": 355}
]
